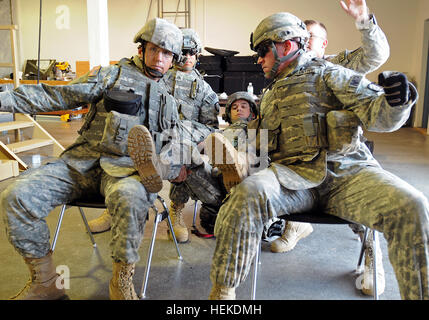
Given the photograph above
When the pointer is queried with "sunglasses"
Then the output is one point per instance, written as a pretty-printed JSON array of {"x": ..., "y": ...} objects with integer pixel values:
[
  {"x": 191, "y": 52},
  {"x": 263, "y": 49}
]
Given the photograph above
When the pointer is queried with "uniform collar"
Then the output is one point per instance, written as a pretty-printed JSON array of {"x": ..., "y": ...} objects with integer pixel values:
[
  {"x": 295, "y": 66},
  {"x": 138, "y": 62}
]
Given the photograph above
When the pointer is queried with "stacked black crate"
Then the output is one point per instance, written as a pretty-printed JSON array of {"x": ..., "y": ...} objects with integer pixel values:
[
  {"x": 211, "y": 67},
  {"x": 240, "y": 71}
]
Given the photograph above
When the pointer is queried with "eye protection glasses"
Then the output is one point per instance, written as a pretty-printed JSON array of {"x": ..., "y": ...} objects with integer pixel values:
[
  {"x": 191, "y": 52},
  {"x": 263, "y": 49}
]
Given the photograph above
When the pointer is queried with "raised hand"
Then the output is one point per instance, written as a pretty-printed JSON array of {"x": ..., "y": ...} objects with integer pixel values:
[{"x": 356, "y": 9}]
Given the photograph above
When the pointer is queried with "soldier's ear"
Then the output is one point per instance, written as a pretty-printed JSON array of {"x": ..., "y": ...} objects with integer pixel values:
[{"x": 289, "y": 46}]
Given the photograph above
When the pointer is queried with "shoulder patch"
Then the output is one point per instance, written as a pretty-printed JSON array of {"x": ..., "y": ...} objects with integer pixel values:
[
  {"x": 355, "y": 80},
  {"x": 375, "y": 87}
]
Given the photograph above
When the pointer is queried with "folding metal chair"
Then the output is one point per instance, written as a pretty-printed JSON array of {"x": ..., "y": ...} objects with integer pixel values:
[{"x": 98, "y": 203}]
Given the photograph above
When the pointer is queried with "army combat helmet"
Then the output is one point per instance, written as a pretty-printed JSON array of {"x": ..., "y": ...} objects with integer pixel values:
[
  {"x": 279, "y": 27},
  {"x": 163, "y": 34},
  {"x": 240, "y": 95},
  {"x": 191, "y": 44}
]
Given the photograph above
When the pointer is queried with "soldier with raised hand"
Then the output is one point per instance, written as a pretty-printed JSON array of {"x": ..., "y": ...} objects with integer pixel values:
[
  {"x": 373, "y": 53},
  {"x": 329, "y": 169},
  {"x": 121, "y": 96}
]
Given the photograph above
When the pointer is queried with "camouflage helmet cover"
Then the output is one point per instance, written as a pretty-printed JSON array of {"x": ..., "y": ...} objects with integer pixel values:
[
  {"x": 162, "y": 33},
  {"x": 191, "y": 40},
  {"x": 239, "y": 95},
  {"x": 279, "y": 27}
]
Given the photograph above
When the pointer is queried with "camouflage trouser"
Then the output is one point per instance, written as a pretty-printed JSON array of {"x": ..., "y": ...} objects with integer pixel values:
[
  {"x": 25, "y": 204},
  {"x": 371, "y": 196},
  {"x": 201, "y": 185}
]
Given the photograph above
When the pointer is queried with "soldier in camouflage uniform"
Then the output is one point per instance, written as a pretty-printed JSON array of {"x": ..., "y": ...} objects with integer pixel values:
[
  {"x": 121, "y": 96},
  {"x": 208, "y": 186},
  {"x": 370, "y": 56},
  {"x": 330, "y": 169},
  {"x": 198, "y": 106}
]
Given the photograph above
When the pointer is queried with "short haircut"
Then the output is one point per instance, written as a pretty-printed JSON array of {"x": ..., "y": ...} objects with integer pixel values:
[{"x": 320, "y": 24}]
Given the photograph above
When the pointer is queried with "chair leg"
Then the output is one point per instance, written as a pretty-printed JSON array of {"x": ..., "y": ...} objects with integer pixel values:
[
  {"x": 57, "y": 230},
  {"x": 256, "y": 262},
  {"x": 375, "y": 245},
  {"x": 149, "y": 255},
  {"x": 166, "y": 215},
  {"x": 85, "y": 222},
  {"x": 359, "y": 268},
  {"x": 195, "y": 213}
]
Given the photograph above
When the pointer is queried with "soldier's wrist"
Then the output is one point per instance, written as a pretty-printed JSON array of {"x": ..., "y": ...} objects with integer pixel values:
[{"x": 366, "y": 22}]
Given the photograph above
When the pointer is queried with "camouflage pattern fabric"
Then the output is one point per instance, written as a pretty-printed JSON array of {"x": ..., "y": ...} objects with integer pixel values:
[
  {"x": 85, "y": 162},
  {"x": 198, "y": 106},
  {"x": 24, "y": 210},
  {"x": 203, "y": 184},
  {"x": 196, "y": 101},
  {"x": 340, "y": 184}
]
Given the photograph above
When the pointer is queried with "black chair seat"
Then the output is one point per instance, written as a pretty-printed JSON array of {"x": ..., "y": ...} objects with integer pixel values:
[
  {"x": 314, "y": 216},
  {"x": 93, "y": 202}
]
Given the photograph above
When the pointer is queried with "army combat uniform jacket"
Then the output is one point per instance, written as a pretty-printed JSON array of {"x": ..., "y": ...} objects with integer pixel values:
[
  {"x": 197, "y": 103},
  {"x": 295, "y": 112}
]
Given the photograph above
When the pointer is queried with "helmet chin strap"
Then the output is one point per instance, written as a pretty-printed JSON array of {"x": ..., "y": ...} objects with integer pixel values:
[
  {"x": 152, "y": 72},
  {"x": 272, "y": 73}
]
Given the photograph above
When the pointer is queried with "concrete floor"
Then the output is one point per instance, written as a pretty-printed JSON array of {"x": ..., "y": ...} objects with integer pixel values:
[{"x": 321, "y": 267}]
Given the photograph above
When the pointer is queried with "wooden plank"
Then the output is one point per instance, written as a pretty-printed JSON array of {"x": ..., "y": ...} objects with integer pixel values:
[
  {"x": 30, "y": 144},
  {"x": 12, "y": 125},
  {"x": 41, "y": 133},
  {"x": 50, "y": 82},
  {"x": 7, "y": 154},
  {"x": 9, "y": 27},
  {"x": 82, "y": 67},
  {"x": 8, "y": 169}
]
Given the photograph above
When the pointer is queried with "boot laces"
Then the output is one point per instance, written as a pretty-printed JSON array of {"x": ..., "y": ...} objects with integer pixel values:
[{"x": 125, "y": 281}]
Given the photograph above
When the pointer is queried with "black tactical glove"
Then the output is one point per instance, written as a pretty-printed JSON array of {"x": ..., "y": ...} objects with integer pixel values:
[{"x": 396, "y": 88}]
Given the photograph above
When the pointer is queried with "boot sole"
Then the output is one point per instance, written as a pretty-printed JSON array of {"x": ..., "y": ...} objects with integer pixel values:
[
  {"x": 141, "y": 151},
  {"x": 301, "y": 236},
  {"x": 231, "y": 172}
]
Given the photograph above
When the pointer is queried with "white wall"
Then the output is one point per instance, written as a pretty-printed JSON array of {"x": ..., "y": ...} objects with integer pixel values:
[
  {"x": 225, "y": 24},
  {"x": 60, "y": 44}
]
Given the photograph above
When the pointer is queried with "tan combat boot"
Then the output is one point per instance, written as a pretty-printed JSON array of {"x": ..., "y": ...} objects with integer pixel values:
[
  {"x": 223, "y": 155},
  {"x": 367, "y": 284},
  {"x": 44, "y": 282},
  {"x": 222, "y": 293},
  {"x": 143, "y": 153},
  {"x": 121, "y": 285},
  {"x": 102, "y": 223},
  {"x": 294, "y": 231},
  {"x": 179, "y": 226}
]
